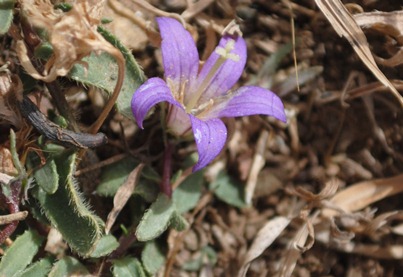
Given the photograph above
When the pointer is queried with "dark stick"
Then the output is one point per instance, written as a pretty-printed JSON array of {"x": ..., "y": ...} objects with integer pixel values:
[{"x": 54, "y": 132}]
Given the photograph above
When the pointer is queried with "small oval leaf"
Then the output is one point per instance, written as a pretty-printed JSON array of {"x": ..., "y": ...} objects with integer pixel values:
[
  {"x": 26, "y": 246},
  {"x": 156, "y": 220},
  {"x": 128, "y": 266}
]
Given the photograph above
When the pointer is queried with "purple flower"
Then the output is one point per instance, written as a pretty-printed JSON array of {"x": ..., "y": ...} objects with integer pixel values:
[{"x": 198, "y": 99}]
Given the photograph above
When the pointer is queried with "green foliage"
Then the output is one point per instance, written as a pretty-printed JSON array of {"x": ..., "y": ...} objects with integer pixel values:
[
  {"x": 103, "y": 72},
  {"x": 43, "y": 51},
  {"x": 178, "y": 222},
  {"x": 128, "y": 266},
  {"x": 46, "y": 176},
  {"x": 156, "y": 220},
  {"x": 114, "y": 175},
  {"x": 188, "y": 193},
  {"x": 228, "y": 190},
  {"x": 6, "y": 15},
  {"x": 65, "y": 7},
  {"x": 207, "y": 257},
  {"x": 104, "y": 246},
  {"x": 153, "y": 256},
  {"x": 67, "y": 211},
  {"x": 25, "y": 246},
  {"x": 38, "y": 269},
  {"x": 68, "y": 266}
]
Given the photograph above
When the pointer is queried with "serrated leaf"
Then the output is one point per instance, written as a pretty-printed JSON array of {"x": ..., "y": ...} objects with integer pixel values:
[
  {"x": 153, "y": 257},
  {"x": 156, "y": 219},
  {"x": 102, "y": 73},
  {"x": 188, "y": 193},
  {"x": 26, "y": 246},
  {"x": 104, "y": 246},
  {"x": 68, "y": 266},
  {"x": 228, "y": 190},
  {"x": 68, "y": 212},
  {"x": 128, "y": 266},
  {"x": 38, "y": 269},
  {"x": 6, "y": 15}
]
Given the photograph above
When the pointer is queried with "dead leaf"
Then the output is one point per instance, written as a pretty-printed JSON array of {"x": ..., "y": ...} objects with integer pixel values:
[
  {"x": 257, "y": 165},
  {"x": 361, "y": 195},
  {"x": 264, "y": 238},
  {"x": 123, "y": 194},
  {"x": 345, "y": 25},
  {"x": 388, "y": 23}
]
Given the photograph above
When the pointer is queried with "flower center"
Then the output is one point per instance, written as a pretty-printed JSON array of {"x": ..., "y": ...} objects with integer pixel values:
[
  {"x": 223, "y": 55},
  {"x": 178, "y": 92}
]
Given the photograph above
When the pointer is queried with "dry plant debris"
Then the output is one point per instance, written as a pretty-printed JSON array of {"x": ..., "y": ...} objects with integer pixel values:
[{"x": 319, "y": 195}]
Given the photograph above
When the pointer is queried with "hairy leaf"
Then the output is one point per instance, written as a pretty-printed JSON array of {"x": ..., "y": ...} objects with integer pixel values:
[
  {"x": 68, "y": 212},
  {"x": 102, "y": 73},
  {"x": 156, "y": 220}
]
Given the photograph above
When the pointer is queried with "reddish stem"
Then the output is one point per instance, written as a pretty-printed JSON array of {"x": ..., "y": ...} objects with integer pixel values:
[
  {"x": 12, "y": 203},
  {"x": 165, "y": 185}
]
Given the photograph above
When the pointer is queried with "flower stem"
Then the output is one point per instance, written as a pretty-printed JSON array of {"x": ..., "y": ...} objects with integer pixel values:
[{"x": 165, "y": 185}]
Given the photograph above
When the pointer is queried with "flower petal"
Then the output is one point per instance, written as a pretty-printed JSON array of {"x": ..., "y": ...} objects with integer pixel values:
[
  {"x": 228, "y": 74},
  {"x": 152, "y": 92},
  {"x": 248, "y": 100},
  {"x": 210, "y": 137},
  {"x": 179, "y": 53},
  {"x": 178, "y": 122}
]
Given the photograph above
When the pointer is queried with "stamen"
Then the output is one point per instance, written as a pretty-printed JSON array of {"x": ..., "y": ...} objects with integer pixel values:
[
  {"x": 205, "y": 107},
  {"x": 224, "y": 54},
  {"x": 181, "y": 98},
  {"x": 178, "y": 94}
]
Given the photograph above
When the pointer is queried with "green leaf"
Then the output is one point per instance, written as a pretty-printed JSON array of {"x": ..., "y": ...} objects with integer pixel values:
[
  {"x": 104, "y": 246},
  {"x": 188, "y": 193},
  {"x": 114, "y": 175},
  {"x": 208, "y": 256},
  {"x": 153, "y": 257},
  {"x": 38, "y": 269},
  {"x": 25, "y": 246},
  {"x": 68, "y": 212},
  {"x": 178, "y": 222},
  {"x": 147, "y": 190},
  {"x": 43, "y": 51},
  {"x": 156, "y": 220},
  {"x": 103, "y": 72},
  {"x": 128, "y": 266},
  {"x": 46, "y": 176},
  {"x": 68, "y": 266},
  {"x": 6, "y": 15},
  {"x": 228, "y": 190}
]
